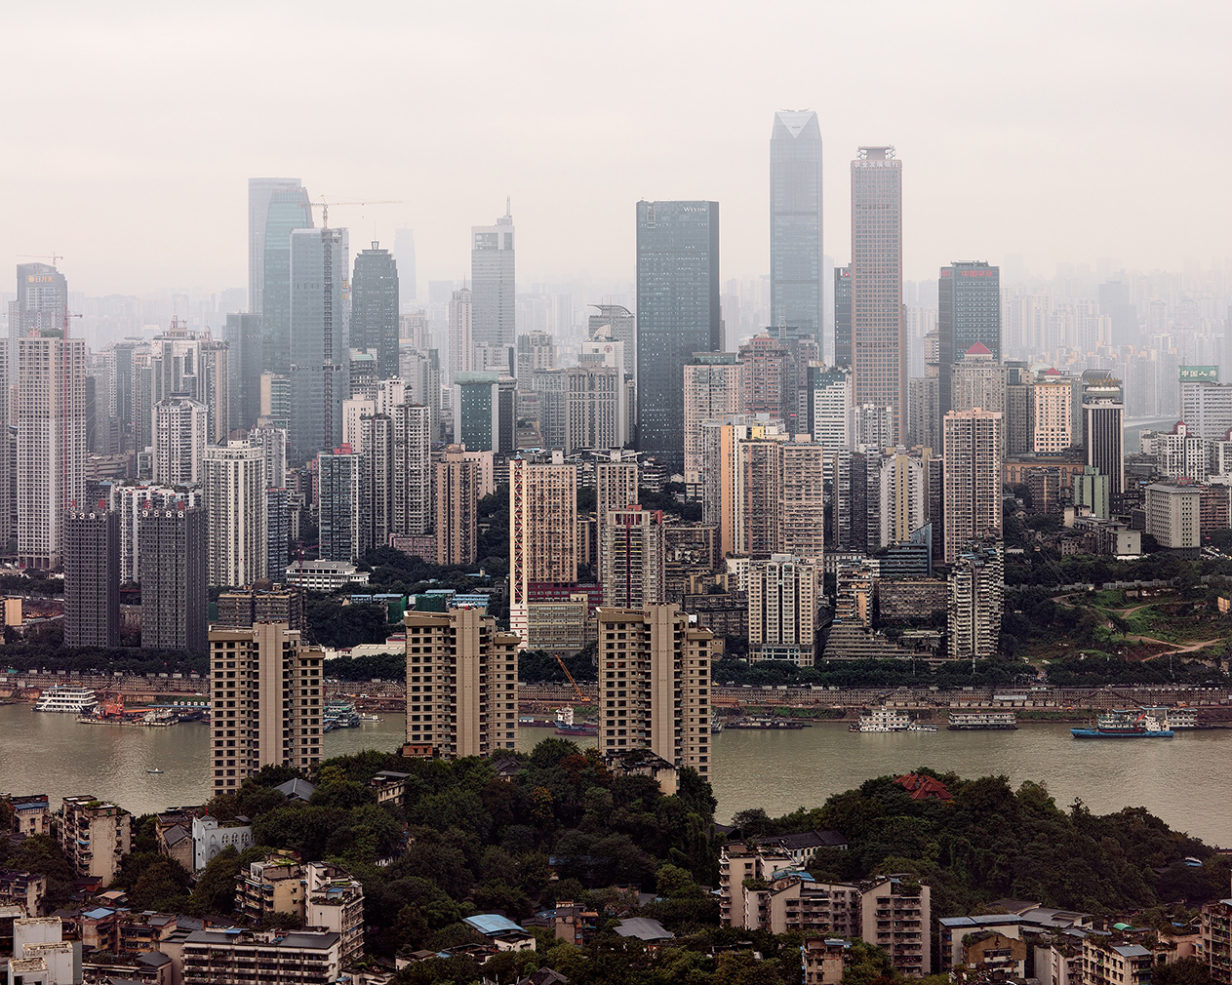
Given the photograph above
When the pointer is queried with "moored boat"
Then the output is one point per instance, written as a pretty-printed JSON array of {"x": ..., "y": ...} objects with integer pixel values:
[
  {"x": 1125, "y": 724},
  {"x": 67, "y": 699},
  {"x": 982, "y": 719}
]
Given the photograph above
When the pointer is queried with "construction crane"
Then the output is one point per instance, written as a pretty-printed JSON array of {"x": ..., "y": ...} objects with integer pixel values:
[
  {"x": 55, "y": 258},
  {"x": 324, "y": 205},
  {"x": 582, "y": 699}
]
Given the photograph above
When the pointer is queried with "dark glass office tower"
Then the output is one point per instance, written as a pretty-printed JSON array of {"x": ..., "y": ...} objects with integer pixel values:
[
  {"x": 91, "y": 577},
  {"x": 968, "y": 311},
  {"x": 374, "y": 309},
  {"x": 677, "y": 315},
  {"x": 796, "y": 290},
  {"x": 319, "y": 367},
  {"x": 842, "y": 317},
  {"x": 276, "y": 207},
  {"x": 242, "y": 334}
]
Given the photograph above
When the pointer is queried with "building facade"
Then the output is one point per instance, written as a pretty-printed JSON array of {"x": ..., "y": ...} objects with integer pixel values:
[
  {"x": 91, "y": 578},
  {"x": 319, "y": 262},
  {"x": 374, "y": 308},
  {"x": 782, "y": 600},
  {"x": 235, "y": 504},
  {"x": 543, "y": 544},
  {"x": 492, "y": 283},
  {"x": 797, "y": 296},
  {"x": 972, "y": 498},
  {"x": 632, "y": 558},
  {"x": 174, "y": 592},
  {"x": 968, "y": 314}
]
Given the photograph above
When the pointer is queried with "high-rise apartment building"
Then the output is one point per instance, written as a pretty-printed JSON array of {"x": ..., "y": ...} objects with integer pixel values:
[
  {"x": 897, "y": 497},
  {"x": 782, "y": 601},
  {"x": 765, "y": 378},
  {"x": 1051, "y": 413},
  {"x": 617, "y": 324},
  {"x": 376, "y": 444},
  {"x": 277, "y": 534},
  {"x": 677, "y": 315},
  {"x": 492, "y": 283},
  {"x": 180, "y": 426},
  {"x": 654, "y": 686},
  {"x": 51, "y": 442},
  {"x": 461, "y": 334},
  {"x": 972, "y": 479},
  {"x": 543, "y": 544},
  {"x": 977, "y": 380},
  {"x": 968, "y": 313},
  {"x": 829, "y": 407},
  {"x": 976, "y": 587},
  {"x": 235, "y": 504},
  {"x": 174, "y": 593},
  {"x": 456, "y": 498},
  {"x": 536, "y": 350},
  {"x": 273, "y": 444},
  {"x": 1206, "y": 406},
  {"x": 713, "y": 389},
  {"x": 374, "y": 308},
  {"x": 265, "y": 702},
  {"x": 412, "y": 472},
  {"x": 319, "y": 260},
  {"x": 276, "y": 207},
  {"x": 582, "y": 407},
  {"x": 615, "y": 486},
  {"x": 41, "y": 306},
  {"x": 461, "y": 684},
  {"x": 484, "y": 412},
  {"x": 214, "y": 389},
  {"x": 842, "y": 317},
  {"x": 796, "y": 291},
  {"x": 91, "y": 578},
  {"x": 343, "y": 521},
  {"x": 878, "y": 329},
  {"x": 1103, "y": 430},
  {"x": 1017, "y": 423},
  {"x": 632, "y": 557}
]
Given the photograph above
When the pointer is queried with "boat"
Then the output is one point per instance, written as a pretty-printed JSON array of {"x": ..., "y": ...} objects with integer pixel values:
[
  {"x": 1125, "y": 724},
  {"x": 67, "y": 699},
  {"x": 339, "y": 714},
  {"x": 885, "y": 719},
  {"x": 365, "y": 717},
  {"x": 154, "y": 770},
  {"x": 766, "y": 724},
  {"x": 986, "y": 719},
  {"x": 1176, "y": 719},
  {"x": 716, "y": 723},
  {"x": 564, "y": 723}
]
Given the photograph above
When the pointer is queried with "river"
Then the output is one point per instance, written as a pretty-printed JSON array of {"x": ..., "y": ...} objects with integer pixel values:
[{"x": 1184, "y": 780}]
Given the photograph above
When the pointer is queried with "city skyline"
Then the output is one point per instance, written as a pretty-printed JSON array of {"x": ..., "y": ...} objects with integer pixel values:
[{"x": 1011, "y": 169}]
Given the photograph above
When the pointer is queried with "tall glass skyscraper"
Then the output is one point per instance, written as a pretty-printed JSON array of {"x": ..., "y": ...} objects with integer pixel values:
[
  {"x": 842, "y": 317},
  {"x": 318, "y": 339},
  {"x": 677, "y": 315},
  {"x": 374, "y": 309},
  {"x": 41, "y": 306},
  {"x": 878, "y": 329},
  {"x": 968, "y": 311},
  {"x": 492, "y": 283},
  {"x": 796, "y": 291},
  {"x": 276, "y": 207}
]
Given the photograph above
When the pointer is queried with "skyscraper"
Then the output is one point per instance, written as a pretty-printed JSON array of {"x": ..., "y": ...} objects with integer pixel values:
[
  {"x": 412, "y": 474},
  {"x": 714, "y": 388},
  {"x": 632, "y": 557},
  {"x": 41, "y": 306},
  {"x": 374, "y": 308},
  {"x": 654, "y": 685},
  {"x": 783, "y": 609},
  {"x": 235, "y": 503},
  {"x": 677, "y": 315},
  {"x": 842, "y": 317},
  {"x": 1103, "y": 430},
  {"x": 796, "y": 291},
  {"x": 51, "y": 442},
  {"x": 976, "y": 589},
  {"x": 972, "y": 479},
  {"x": 968, "y": 314},
  {"x": 243, "y": 336},
  {"x": 174, "y": 596},
  {"x": 91, "y": 578},
  {"x": 543, "y": 539},
  {"x": 318, "y": 339},
  {"x": 404, "y": 257},
  {"x": 492, "y": 282},
  {"x": 461, "y": 334},
  {"x": 276, "y": 206},
  {"x": 615, "y": 486},
  {"x": 343, "y": 523},
  {"x": 461, "y": 685},
  {"x": 878, "y": 330},
  {"x": 829, "y": 408},
  {"x": 265, "y": 702}
]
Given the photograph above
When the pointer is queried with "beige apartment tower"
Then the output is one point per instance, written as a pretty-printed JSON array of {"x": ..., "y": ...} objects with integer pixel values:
[
  {"x": 615, "y": 486},
  {"x": 461, "y": 685},
  {"x": 713, "y": 390},
  {"x": 972, "y": 494},
  {"x": 265, "y": 702},
  {"x": 632, "y": 557},
  {"x": 1052, "y": 413},
  {"x": 654, "y": 685},
  {"x": 543, "y": 538},
  {"x": 457, "y": 507}
]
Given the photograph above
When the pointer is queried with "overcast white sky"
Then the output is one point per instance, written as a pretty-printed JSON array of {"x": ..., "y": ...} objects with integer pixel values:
[{"x": 1061, "y": 131}]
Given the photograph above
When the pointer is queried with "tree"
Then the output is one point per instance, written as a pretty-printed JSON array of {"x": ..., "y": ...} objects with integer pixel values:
[{"x": 1187, "y": 971}]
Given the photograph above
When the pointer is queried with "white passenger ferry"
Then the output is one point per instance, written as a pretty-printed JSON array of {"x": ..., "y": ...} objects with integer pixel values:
[
  {"x": 982, "y": 719},
  {"x": 70, "y": 699}
]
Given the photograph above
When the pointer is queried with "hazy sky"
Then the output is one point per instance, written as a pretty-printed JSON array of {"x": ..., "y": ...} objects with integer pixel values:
[{"x": 1059, "y": 131}]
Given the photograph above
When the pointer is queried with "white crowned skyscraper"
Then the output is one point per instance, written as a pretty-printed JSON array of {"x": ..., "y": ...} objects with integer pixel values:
[{"x": 796, "y": 292}]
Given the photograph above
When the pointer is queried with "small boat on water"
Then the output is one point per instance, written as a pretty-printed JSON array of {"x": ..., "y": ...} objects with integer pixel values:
[
  {"x": 364, "y": 717},
  {"x": 886, "y": 719},
  {"x": 155, "y": 770},
  {"x": 565, "y": 725},
  {"x": 67, "y": 698},
  {"x": 982, "y": 719}
]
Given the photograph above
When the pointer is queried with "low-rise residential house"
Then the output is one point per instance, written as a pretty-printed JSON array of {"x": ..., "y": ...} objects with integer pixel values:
[
  {"x": 800, "y": 846},
  {"x": 501, "y": 932},
  {"x": 1106, "y": 962},
  {"x": 575, "y": 923},
  {"x": 25, "y": 889},
  {"x": 275, "y": 884},
  {"x": 211, "y": 836},
  {"x": 390, "y": 787},
  {"x": 31, "y": 815},
  {"x": 824, "y": 959}
]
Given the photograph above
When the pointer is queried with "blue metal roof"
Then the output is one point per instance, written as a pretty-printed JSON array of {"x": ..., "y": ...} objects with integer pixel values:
[{"x": 491, "y": 924}]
